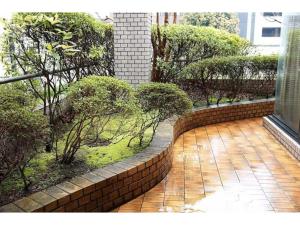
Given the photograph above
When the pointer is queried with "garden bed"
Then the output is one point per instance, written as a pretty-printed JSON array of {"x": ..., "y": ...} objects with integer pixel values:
[
  {"x": 107, "y": 188},
  {"x": 44, "y": 171},
  {"x": 104, "y": 121}
]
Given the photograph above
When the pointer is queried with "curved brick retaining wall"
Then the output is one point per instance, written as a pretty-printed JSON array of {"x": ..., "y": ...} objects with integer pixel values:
[
  {"x": 113, "y": 185},
  {"x": 223, "y": 113}
]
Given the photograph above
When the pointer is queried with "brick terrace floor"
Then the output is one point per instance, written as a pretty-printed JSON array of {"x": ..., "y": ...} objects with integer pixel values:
[{"x": 232, "y": 166}]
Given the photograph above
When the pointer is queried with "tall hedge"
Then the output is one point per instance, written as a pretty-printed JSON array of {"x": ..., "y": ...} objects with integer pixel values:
[
  {"x": 231, "y": 77},
  {"x": 176, "y": 46}
]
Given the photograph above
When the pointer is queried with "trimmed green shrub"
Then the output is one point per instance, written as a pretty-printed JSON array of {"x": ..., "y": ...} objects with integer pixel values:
[
  {"x": 22, "y": 131},
  {"x": 159, "y": 101},
  {"x": 95, "y": 100},
  {"x": 232, "y": 76},
  {"x": 176, "y": 46}
]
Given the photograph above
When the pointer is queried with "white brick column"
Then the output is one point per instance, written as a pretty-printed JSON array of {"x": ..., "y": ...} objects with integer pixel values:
[{"x": 132, "y": 47}]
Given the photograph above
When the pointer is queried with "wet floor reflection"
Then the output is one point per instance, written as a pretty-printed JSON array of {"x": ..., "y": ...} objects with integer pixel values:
[{"x": 232, "y": 166}]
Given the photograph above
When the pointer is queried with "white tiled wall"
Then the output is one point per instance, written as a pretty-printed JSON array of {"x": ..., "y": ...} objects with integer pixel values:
[
  {"x": 292, "y": 146},
  {"x": 132, "y": 47}
]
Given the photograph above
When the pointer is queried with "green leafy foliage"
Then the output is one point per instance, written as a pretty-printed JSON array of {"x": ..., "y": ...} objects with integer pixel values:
[
  {"x": 95, "y": 101},
  {"x": 158, "y": 101},
  {"x": 231, "y": 77},
  {"x": 34, "y": 42},
  {"x": 218, "y": 20},
  {"x": 44, "y": 171},
  {"x": 49, "y": 42},
  {"x": 22, "y": 130},
  {"x": 185, "y": 44},
  {"x": 164, "y": 100}
]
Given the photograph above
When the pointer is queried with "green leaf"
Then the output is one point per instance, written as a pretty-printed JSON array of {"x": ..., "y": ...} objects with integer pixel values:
[
  {"x": 67, "y": 36},
  {"x": 55, "y": 56},
  {"x": 49, "y": 47}
]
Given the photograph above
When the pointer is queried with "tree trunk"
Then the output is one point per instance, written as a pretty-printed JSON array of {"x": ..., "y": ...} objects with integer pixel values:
[
  {"x": 174, "y": 18},
  {"x": 24, "y": 179},
  {"x": 49, "y": 144},
  {"x": 166, "y": 19},
  {"x": 159, "y": 48},
  {"x": 154, "y": 71}
]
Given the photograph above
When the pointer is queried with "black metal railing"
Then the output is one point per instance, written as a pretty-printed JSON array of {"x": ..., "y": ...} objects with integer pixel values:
[{"x": 43, "y": 73}]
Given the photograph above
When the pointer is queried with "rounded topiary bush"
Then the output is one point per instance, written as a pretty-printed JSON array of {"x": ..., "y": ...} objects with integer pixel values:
[
  {"x": 164, "y": 99},
  {"x": 158, "y": 101},
  {"x": 97, "y": 100},
  {"x": 100, "y": 95}
]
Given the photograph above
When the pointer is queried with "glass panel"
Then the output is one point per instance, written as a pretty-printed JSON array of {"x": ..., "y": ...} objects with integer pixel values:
[
  {"x": 272, "y": 14},
  {"x": 287, "y": 104},
  {"x": 271, "y": 32}
]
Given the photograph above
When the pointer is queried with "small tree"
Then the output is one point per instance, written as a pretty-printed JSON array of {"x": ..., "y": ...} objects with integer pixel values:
[
  {"x": 219, "y": 20},
  {"x": 22, "y": 131},
  {"x": 158, "y": 101},
  {"x": 96, "y": 100},
  {"x": 52, "y": 44}
]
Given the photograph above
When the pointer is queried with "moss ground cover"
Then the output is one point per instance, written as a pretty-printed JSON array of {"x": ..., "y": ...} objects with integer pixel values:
[{"x": 44, "y": 171}]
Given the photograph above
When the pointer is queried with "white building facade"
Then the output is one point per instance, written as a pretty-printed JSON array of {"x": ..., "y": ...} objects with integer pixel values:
[{"x": 263, "y": 30}]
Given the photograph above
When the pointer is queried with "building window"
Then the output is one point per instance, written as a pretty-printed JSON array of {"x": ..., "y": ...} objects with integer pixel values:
[
  {"x": 271, "y": 32},
  {"x": 272, "y": 14}
]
